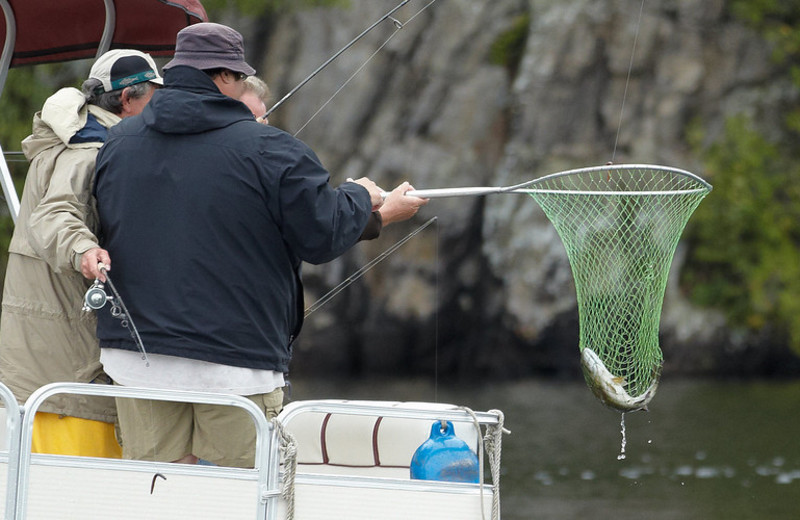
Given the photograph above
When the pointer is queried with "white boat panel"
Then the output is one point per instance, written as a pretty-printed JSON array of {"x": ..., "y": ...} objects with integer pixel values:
[
  {"x": 69, "y": 492},
  {"x": 65, "y": 488},
  {"x": 318, "y": 501},
  {"x": 4, "y": 428},
  {"x": 3, "y": 481}
]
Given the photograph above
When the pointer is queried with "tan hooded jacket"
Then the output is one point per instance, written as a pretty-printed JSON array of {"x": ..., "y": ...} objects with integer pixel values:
[{"x": 45, "y": 337}]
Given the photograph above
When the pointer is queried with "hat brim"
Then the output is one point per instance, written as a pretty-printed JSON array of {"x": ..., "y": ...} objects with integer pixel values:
[{"x": 211, "y": 63}]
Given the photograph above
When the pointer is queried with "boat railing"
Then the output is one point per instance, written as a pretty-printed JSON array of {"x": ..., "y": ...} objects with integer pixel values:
[
  {"x": 364, "y": 473},
  {"x": 9, "y": 451},
  {"x": 56, "y": 486}
]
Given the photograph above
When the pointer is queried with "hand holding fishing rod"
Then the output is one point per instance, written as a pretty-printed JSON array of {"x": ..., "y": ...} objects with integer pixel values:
[
  {"x": 91, "y": 260},
  {"x": 96, "y": 298}
]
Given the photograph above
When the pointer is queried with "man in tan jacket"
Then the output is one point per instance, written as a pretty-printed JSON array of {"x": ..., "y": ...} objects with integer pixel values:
[{"x": 45, "y": 337}]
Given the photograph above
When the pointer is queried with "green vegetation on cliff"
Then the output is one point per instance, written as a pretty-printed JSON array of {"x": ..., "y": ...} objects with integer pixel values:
[
  {"x": 509, "y": 48},
  {"x": 745, "y": 238}
]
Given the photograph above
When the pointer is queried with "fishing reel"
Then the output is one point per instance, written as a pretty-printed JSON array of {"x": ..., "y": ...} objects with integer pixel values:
[{"x": 96, "y": 297}]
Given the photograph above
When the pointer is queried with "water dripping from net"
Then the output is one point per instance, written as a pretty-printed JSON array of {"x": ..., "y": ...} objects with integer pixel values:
[{"x": 621, "y": 455}]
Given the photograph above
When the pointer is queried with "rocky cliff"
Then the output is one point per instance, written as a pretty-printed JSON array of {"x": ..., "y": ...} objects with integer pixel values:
[{"x": 470, "y": 93}]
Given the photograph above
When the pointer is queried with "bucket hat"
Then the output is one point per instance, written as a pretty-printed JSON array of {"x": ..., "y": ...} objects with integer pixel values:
[{"x": 208, "y": 46}]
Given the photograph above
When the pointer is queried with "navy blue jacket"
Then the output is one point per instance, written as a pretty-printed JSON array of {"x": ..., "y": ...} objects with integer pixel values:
[{"x": 207, "y": 215}]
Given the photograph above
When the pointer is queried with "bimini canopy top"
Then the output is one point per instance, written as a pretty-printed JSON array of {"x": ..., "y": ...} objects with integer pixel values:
[{"x": 44, "y": 31}]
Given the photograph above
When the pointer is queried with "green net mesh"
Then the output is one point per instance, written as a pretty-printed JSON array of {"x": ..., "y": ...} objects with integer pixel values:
[{"x": 620, "y": 226}]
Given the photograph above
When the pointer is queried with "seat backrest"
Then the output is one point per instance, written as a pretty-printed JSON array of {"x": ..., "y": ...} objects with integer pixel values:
[{"x": 376, "y": 444}]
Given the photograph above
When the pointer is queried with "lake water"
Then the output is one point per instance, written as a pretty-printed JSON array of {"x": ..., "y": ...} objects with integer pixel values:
[{"x": 706, "y": 450}]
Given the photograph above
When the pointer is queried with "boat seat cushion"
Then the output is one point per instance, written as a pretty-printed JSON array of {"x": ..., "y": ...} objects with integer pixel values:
[{"x": 365, "y": 445}]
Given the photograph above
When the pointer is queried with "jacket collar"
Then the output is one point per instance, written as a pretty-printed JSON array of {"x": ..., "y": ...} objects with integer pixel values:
[{"x": 191, "y": 103}]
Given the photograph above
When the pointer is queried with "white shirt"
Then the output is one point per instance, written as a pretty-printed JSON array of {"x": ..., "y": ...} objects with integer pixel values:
[{"x": 127, "y": 368}]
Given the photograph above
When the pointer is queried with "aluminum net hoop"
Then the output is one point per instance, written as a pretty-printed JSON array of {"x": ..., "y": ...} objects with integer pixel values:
[{"x": 620, "y": 225}]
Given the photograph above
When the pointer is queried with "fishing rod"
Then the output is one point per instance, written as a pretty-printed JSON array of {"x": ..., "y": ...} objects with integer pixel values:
[
  {"x": 339, "y": 53},
  {"x": 358, "y": 274},
  {"x": 96, "y": 298}
]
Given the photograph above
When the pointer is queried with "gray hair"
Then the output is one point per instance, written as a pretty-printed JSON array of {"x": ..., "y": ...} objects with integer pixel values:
[
  {"x": 112, "y": 101},
  {"x": 258, "y": 87}
]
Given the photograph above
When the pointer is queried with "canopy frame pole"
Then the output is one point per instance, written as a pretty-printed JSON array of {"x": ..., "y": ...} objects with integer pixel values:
[
  {"x": 5, "y": 62},
  {"x": 10, "y": 192},
  {"x": 10, "y": 43},
  {"x": 108, "y": 30}
]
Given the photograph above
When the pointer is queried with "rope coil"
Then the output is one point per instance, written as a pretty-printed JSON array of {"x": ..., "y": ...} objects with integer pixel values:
[
  {"x": 492, "y": 444},
  {"x": 288, "y": 448}
]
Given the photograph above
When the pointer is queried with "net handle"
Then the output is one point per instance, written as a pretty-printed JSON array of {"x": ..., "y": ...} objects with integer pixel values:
[
  {"x": 527, "y": 187},
  {"x": 455, "y": 192},
  {"x": 476, "y": 191}
]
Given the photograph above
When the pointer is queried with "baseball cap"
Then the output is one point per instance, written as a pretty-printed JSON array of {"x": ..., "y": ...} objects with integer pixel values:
[
  {"x": 207, "y": 46},
  {"x": 122, "y": 68}
]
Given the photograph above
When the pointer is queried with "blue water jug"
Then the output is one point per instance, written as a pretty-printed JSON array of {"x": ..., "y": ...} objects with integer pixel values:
[{"x": 444, "y": 457}]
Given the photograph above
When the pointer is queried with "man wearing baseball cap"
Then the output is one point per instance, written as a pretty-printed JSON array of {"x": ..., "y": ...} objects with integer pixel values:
[
  {"x": 44, "y": 335},
  {"x": 208, "y": 215}
]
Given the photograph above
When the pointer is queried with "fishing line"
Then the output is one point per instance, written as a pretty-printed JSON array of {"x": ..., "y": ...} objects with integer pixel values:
[
  {"x": 348, "y": 80},
  {"x": 336, "y": 55},
  {"x": 627, "y": 81},
  {"x": 436, "y": 321},
  {"x": 358, "y": 274},
  {"x": 398, "y": 25}
]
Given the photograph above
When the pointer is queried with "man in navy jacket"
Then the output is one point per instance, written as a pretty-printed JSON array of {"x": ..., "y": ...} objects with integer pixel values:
[{"x": 207, "y": 215}]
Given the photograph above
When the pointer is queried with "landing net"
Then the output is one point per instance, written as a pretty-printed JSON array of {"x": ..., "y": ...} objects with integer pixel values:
[{"x": 620, "y": 226}]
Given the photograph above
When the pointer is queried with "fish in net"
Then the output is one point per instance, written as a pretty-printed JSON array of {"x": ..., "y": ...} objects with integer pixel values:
[{"x": 620, "y": 225}]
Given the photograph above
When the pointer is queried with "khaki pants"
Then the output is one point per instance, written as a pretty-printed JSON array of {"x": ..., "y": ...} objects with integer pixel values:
[{"x": 167, "y": 431}]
